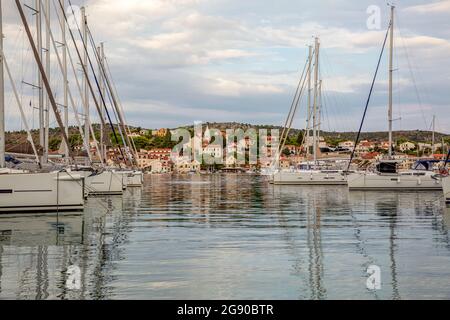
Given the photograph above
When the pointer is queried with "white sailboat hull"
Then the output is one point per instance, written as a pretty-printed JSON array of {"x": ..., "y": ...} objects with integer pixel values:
[
  {"x": 309, "y": 178},
  {"x": 132, "y": 178},
  {"x": 402, "y": 181},
  {"x": 105, "y": 183},
  {"x": 446, "y": 186},
  {"x": 41, "y": 192}
]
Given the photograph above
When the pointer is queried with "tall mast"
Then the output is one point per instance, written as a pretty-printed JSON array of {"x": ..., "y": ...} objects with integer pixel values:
[
  {"x": 308, "y": 130},
  {"x": 316, "y": 96},
  {"x": 101, "y": 54},
  {"x": 41, "y": 70},
  {"x": 47, "y": 71},
  {"x": 2, "y": 96},
  {"x": 40, "y": 82},
  {"x": 85, "y": 80},
  {"x": 433, "y": 143},
  {"x": 391, "y": 72},
  {"x": 66, "y": 82},
  {"x": 319, "y": 120}
]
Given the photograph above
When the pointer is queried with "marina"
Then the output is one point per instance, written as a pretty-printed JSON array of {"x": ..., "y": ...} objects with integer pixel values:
[{"x": 94, "y": 206}]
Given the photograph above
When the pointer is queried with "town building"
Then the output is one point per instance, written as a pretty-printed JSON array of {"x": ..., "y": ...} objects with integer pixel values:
[
  {"x": 365, "y": 146},
  {"x": 350, "y": 145},
  {"x": 407, "y": 146},
  {"x": 160, "y": 133}
]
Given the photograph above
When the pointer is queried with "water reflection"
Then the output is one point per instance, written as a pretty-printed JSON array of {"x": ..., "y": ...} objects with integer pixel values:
[{"x": 231, "y": 237}]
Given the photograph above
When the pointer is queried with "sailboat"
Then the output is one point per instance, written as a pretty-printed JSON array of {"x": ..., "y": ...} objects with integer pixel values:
[
  {"x": 387, "y": 175},
  {"x": 30, "y": 192},
  {"x": 446, "y": 186},
  {"x": 307, "y": 174}
]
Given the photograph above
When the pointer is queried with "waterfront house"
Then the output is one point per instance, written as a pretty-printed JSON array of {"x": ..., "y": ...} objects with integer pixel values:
[
  {"x": 350, "y": 145},
  {"x": 365, "y": 146}
]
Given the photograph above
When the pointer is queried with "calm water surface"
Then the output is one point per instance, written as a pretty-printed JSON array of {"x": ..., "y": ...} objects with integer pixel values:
[{"x": 232, "y": 237}]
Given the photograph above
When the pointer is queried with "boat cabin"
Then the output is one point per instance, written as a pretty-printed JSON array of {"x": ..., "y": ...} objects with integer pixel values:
[{"x": 388, "y": 167}]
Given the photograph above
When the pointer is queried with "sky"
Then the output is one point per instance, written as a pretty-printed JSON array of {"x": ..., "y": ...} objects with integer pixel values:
[{"x": 179, "y": 61}]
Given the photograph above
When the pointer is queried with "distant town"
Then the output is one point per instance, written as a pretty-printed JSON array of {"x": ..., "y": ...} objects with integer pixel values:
[{"x": 156, "y": 155}]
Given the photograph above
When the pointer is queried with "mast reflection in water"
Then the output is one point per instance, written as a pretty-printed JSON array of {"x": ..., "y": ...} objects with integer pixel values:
[{"x": 231, "y": 237}]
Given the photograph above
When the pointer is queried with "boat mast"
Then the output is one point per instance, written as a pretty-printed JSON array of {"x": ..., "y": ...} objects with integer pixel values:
[
  {"x": 85, "y": 80},
  {"x": 42, "y": 71},
  {"x": 308, "y": 126},
  {"x": 101, "y": 54},
  {"x": 40, "y": 82},
  {"x": 391, "y": 72},
  {"x": 47, "y": 70},
  {"x": 66, "y": 83},
  {"x": 319, "y": 121},
  {"x": 316, "y": 96},
  {"x": 2, "y": 97},
  {"x": 433, "y": 143}
]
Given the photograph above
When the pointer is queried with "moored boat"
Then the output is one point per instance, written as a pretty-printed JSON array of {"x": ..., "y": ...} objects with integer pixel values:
[
  {"x": 388, "y": 177},
  {"x": 41, "y": 192},
  {"x": 131, "y": 178},
  {"x": 310, "y": 177},
  {"x": 98, "y": 183}
]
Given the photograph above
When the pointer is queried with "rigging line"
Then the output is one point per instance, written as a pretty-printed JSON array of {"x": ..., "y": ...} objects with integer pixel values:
[
  {"x": 295, "y": 105},
  {"x": 129, "y": 145},
  {"x": 69, "y": 91},
  {"x": 334, "y": 97},
  {"x": 108, "y": 69},
  {"x": 113, "y": 101},
  {"x": 86, "y": 71},
  {"x": 294, "y": 102},
  {"x": 42, "y": 72},
  {"x": 369, "y": 98},
  {"x": 24, "y": 120},
  {"x": 413, "y": 78}
]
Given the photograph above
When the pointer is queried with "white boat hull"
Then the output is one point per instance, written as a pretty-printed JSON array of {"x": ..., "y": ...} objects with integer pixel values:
[
  {"x": 401, "y": 182},
  {"x": 132, "y": 178},
  {"x": 105, "y": 183},
  {"x": 41, "y": 192},
  {"x": 446, "y": 186},
  {"x": 309, "y": 178}
]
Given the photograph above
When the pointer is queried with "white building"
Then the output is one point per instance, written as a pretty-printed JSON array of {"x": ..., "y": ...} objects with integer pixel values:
[
  {"x": 407, "y": 146},
  {"x": 347, "y": 145}
]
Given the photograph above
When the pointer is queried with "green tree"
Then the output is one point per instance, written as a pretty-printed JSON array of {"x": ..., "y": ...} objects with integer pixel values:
[
  {"x": 75, "y": 140},
  {"x": 54, "y": 143},
  {"x": 141, "y": 142}
]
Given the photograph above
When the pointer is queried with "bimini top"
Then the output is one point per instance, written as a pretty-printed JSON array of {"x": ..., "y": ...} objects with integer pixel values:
[{"x": 426, "y": 165}]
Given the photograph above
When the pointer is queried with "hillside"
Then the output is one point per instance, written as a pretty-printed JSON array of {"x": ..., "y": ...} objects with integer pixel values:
[{"x": 17, "y": 141}]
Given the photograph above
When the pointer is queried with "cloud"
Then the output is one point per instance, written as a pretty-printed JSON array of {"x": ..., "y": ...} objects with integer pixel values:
[
  {"x": 441, "y": 7},
  {"x": 230, "y": 60}
]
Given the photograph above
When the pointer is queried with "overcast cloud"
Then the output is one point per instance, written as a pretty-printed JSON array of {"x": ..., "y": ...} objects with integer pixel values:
[{"x": 176, "y": 61}]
